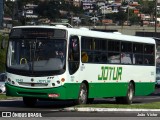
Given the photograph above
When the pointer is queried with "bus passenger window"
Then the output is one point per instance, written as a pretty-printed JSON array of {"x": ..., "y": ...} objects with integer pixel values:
[
  {"x": 84, "y": 57},
  {"x": 146, "y": 61},
  {"x": 113, "y": 57},
  {"x": 126, "y": 58},
  {"x": 139, "y": 59}
]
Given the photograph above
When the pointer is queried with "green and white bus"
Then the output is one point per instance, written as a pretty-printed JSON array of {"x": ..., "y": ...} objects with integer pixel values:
[{"x": 60, "y": 63}]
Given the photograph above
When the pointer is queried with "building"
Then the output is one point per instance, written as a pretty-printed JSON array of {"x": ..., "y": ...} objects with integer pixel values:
[
  {"x": 77, "y": 3},
  {"x": 88, "y": 4},
  {"x": 30, "y": 14},
  {"x": 1, "y": 12}
]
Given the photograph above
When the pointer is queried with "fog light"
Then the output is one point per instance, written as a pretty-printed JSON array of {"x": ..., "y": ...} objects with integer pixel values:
[
  {"x": 13, "y": 82},
  {"x": 53, "y": 84},
  {"x": 58, "y": 82},
  {"x": 53, "y": 95},
  {"x": 9, "y": 80}
]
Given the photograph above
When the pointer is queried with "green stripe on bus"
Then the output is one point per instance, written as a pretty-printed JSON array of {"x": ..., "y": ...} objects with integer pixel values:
[{"x": 71, "y": 90}]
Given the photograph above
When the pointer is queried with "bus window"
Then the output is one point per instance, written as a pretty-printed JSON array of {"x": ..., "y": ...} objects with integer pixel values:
[
  {"x": 126, "y": 58},
  {"x": 113, "y": 51},
  {"x": 126, "y": 55},
  {"x": 138, "y": 59},
  {"x": 138, "y": 53},
  {"x": 113, "y": 58},
  {"x": 149, "y": 54},
  {"x": 149, "y": 49},
  {"x": 84, "y": 57},
  {"x": 74, "y": 54},
  {"x": 113, "y": 45}
]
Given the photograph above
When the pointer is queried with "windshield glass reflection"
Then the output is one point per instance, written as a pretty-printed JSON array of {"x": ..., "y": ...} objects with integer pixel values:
[{"x": 37, "y": 55}]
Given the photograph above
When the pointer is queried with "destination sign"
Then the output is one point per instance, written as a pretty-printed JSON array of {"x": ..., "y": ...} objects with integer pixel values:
[{"x": 37, "y": 33}]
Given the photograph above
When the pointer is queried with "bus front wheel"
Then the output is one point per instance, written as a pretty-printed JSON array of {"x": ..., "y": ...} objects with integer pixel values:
[
  {"x": 29, "y": 102},
  {"x": 90, "y": 100},
  {"x": 83, "y": 95}
]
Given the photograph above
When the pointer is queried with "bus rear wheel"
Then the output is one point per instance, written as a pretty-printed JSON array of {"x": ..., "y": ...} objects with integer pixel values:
[
  {"x": 83, "y": 95},
  {"x": 129, "y": 97},
  {"x": 29, "y": 102},
  {"x": 130, "y": 93}
]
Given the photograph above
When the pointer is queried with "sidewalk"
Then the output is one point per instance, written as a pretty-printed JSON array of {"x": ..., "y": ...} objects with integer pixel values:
[{"x": 91, "y": 109}]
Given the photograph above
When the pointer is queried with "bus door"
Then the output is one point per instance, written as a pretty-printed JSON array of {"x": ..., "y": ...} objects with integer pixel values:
[{"x": 74, "y": 54}]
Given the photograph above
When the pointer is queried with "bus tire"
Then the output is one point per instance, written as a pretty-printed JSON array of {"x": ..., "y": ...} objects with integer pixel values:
[
  {"x": 130, "y": 93},
  {"x": 119, "y": 100},
  {"x": 83, "y": 95},
  {"x": 29, "y": 102},
  {"x": 90, "y": 100}
]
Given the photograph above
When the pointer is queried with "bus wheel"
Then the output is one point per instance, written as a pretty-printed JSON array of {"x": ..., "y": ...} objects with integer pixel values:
[
  {"x": 119, "y": 100},
  {"x": 90, "y": 100},
  {"x": 130, "y": 93},
  {"x": 83, "y": 93},
  {"x": 29, "y": 102}
]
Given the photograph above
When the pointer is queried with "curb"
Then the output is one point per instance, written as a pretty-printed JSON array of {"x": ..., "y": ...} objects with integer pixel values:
[{"x": 88, "y": 109}]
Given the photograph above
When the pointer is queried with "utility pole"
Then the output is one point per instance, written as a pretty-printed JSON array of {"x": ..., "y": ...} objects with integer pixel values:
[
  {"x": 1, "y": 12},
  {"x": 155, "y": 18},
  {"x": 128, "y": 16},
  {"x": 104, "y": 13},
  {"x": 71, "y": 18}
]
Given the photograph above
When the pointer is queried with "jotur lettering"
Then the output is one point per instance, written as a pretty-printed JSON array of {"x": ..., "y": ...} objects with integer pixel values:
[{"x": 110, "y": 73}]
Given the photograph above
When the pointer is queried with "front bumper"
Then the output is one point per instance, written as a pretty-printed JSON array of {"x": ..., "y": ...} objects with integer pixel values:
[{"x": 35, "y": 92}]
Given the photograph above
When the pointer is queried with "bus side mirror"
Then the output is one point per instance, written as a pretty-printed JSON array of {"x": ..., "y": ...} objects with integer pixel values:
[{"x": 3, "y": 44}]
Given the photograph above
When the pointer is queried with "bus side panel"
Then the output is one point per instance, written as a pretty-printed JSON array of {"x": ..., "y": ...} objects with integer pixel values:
[
  {"x": 144, "y": 88},
  {"x": 107, "y": 89},
  {"x": 72, "y": 90},
  {"x": 118, "y": 89}
]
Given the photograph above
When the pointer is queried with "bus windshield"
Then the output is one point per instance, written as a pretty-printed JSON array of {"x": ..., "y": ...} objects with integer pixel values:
[{"x": 36, "y": 55}]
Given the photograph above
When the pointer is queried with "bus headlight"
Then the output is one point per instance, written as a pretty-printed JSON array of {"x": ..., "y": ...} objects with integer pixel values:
[
  {"x": 9, "y": 80},
  {"x": 13, "y": 82},
  {"x": 58, "y": 82}
]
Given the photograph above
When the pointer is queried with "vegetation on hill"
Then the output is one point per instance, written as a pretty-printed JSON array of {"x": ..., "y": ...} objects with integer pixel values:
[
  {"x": 61, "y": 9},
  {"x": 3, "y": 52}
]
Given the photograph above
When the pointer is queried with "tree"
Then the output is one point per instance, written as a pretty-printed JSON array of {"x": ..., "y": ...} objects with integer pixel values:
[
  {"x": 8, "y": 8},
  {"x": 3, "y": 53},
  {"x": 49, "y": 9},
  {"x": 121, "y": 17},
  {"x": 134, "y": 19},
  {"x": 147, "y": 7}
]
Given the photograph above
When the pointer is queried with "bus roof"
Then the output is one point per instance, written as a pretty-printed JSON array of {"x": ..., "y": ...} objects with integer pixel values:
[{"x": 89, "y": 33}]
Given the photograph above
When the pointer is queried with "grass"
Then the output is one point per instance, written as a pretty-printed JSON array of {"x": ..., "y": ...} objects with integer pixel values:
[
  {"x": 153, "y": 105},
  {"x": 4, "y": 97}
]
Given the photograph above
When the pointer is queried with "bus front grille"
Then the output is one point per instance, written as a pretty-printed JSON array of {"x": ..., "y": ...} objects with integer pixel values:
[
  {"x": 31, "y": 93},
  {"x": 33, "y": 84}
]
